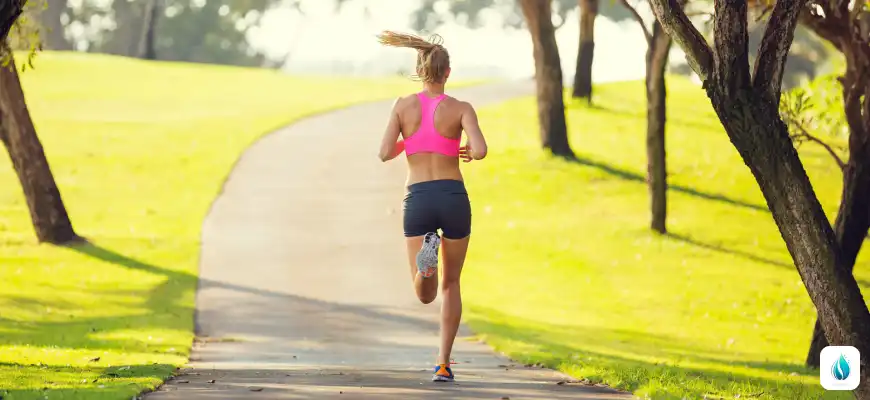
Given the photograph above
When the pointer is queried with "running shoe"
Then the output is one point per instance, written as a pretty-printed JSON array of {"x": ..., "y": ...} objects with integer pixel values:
[
  {"x": 442, "y": 374},
  {"x": 427, "y": 257}
]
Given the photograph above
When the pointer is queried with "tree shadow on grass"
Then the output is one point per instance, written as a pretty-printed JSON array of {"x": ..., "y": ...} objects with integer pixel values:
[
  {"x": 743, "y": 254},
  {"x": 636, "y": 177},
  {"x": 663, "y": 367},
  {"x": 584, "y": 105},
  {"x": 721, "y": 249}
]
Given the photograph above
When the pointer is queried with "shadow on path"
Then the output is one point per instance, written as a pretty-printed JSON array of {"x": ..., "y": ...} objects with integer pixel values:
[{"x": 347, "y": 383}]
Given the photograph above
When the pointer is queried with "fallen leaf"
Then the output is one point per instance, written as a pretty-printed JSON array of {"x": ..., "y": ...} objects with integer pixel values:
[
  {"x": 95, "y": 359},
  {"x": 259, "y": 389}
]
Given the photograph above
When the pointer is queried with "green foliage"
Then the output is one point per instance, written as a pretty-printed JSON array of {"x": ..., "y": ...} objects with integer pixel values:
[
  {"x": 213, "y": 33},
  {"x": 25, "y": 35},
  {"x": 207, "y": 31},
  {"x": 816, "y": 107}
]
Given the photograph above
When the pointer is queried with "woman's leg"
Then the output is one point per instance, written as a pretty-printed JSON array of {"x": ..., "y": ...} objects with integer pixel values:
[
  {"x": 454, "y": 251},
  {"x": 426, "y": 288}
]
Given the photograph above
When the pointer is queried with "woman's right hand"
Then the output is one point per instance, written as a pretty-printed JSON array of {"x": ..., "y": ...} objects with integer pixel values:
[{"x": 465, "y": 154}]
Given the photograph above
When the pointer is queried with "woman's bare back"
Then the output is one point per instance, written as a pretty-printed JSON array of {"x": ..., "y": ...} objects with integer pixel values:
[{"x": 448, "y": 123}]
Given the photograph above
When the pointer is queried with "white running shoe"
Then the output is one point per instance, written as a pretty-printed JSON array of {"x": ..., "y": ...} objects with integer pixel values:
[{"x": 427, "y": 257}]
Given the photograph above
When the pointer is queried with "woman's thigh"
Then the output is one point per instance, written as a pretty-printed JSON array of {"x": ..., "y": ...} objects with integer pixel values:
[{"x": 453, "y": 255}]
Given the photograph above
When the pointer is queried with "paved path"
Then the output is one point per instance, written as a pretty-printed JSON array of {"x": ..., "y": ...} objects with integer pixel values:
[{"x": 304, "y": 288}]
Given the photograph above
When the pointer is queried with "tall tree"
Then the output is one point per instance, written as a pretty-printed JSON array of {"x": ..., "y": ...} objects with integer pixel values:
[
  {"x": 548, "y": 77},
  {"x": 658, "y": 49},
  {"x": 47, "y": 211},
  {"x": 146, "y": 40},
  {"x": 747, "y": 105},
  {"x": 586, "y": 51},
  {"x": 846, "y": 25}
]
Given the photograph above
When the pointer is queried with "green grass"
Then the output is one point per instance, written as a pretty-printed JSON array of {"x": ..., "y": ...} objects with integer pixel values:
[
  {"x": 139, "y": 151},
  {"x": 563, "y": 269}
]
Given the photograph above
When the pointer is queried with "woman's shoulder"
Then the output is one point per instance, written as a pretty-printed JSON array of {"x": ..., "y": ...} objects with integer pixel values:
[
  {"x": 457, "y": 102},
  {"x": 405, "y": 101}
]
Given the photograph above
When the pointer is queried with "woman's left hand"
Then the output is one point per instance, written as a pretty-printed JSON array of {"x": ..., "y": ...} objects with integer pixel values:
[{"x": 465, "y": 154}]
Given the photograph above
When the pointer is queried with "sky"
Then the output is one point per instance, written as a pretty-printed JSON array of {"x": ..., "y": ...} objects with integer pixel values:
[{"x": 323, "y": 41}]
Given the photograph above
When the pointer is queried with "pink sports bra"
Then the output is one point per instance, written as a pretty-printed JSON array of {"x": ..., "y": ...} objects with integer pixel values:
[{"x": 427, "y": 139}]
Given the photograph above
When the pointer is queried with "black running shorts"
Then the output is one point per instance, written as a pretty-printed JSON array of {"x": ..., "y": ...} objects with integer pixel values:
[{"x": 440, "y": 204}]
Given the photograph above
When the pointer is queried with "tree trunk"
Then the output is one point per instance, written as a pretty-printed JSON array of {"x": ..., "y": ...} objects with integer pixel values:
[
  {"x": 657, "y": 175},
  {"x": 53, "y": 35},
  {"x": 9, "y": 13},
  {"x": 761, "y": 138},
  {"x": 49, "y": 216},
  {"x": 124, "y": 39},
  {"x": 586, "y": 51},
  {"x": 853, "y": 216},
  {"x": 146, "y": 41},
  {"x": 548, "y": 77}
]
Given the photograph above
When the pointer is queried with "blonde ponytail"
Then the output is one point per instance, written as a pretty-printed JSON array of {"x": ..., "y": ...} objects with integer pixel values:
[{"x": 433, "y": 61}]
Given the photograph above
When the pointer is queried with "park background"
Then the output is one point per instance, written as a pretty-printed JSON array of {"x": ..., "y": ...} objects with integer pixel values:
[{"x": 564, "y": 271}]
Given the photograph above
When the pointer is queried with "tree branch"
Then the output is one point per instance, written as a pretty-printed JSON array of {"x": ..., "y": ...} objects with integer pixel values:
[
  {"x": 678, "y": 26},
  {"x": 805, "y": 135},
  {"x": 792, "y": 111},
  {"x": 773, "y": 51},
  {"x": 730, "y": 38},
  {"x": 646, "y": 34},
  {"x": 821, "y": 26}
]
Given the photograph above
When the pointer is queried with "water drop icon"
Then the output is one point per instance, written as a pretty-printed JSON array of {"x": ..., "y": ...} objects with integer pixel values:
[{"x": 840, "y": 369}]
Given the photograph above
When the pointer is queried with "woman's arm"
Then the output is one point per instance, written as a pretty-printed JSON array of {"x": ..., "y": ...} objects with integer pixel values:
[
  {"x": 398, "y": 148},
  {"x": 391, "y": 146},
  {"x": 476, "y": 143}
]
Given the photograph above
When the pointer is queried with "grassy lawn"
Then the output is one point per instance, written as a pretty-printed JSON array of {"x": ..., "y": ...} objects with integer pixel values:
[
  {"x": 563, "y": 269},
  {"x": 139, "y": 151}
]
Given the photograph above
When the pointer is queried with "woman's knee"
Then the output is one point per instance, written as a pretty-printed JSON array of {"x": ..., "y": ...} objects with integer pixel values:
[{"x": 449, "y": 283}]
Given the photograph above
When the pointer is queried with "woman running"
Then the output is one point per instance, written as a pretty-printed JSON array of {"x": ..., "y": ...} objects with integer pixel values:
[{"x": 431, "y": 124}]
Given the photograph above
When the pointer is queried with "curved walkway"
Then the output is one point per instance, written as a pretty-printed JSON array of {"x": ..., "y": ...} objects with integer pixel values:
[{"x": 304, "y": 288}]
